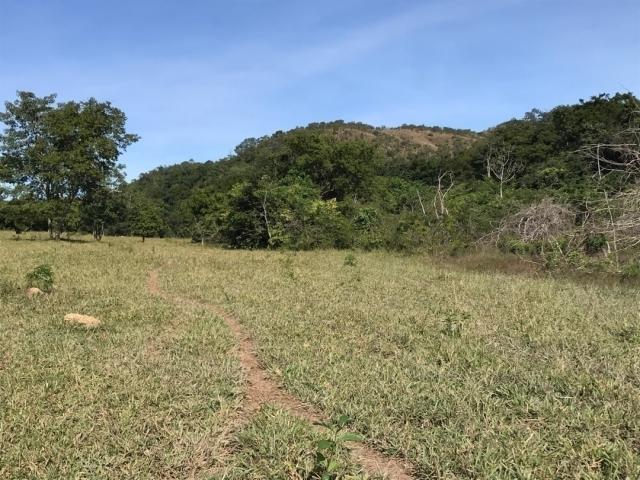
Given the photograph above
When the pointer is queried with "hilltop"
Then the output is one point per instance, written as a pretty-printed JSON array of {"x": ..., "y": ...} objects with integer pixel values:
[{"x": 175, "y": 183}]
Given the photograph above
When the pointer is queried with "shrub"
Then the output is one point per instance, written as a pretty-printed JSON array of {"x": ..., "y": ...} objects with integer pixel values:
[
  {"x": 366, "y": 218},
  {"x": 631, "y": 270},
  {"x": 594, "y": 243},
  {"x": 551, "y": 259},
  {"x": 576, "y": 259},
  {"x": 41, "y": 277},
  {"x": 457, "y": 247},
  {"x": 515, "y": 246}
]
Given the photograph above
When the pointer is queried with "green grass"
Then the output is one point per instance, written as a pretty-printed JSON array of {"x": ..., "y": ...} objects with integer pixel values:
[
  {"x": 466, "y": 374},
  {"x": 276, "y": 445},
  {"x": 143, "y": 396}
]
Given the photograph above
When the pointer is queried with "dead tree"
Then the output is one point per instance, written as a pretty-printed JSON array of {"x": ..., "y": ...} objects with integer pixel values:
[
  {"x": 502, "y": 164},
  {"x": 617, "y": 214},
  {"x": 617, "y": 217},
  {"x": 445, "y": 183},
  {"x": 544, "y": 221},
  {"x": 424, "y": 212},
  {"x": 265, "y": 216},
  {"x": 627, "y": 224}
]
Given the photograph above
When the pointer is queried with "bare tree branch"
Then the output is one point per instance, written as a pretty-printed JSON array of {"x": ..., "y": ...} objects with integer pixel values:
[
  {"x": 443, "y": 189},
  {"x": 502, "y": 164}
]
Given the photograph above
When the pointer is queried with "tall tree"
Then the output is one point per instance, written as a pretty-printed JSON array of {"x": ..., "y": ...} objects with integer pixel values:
[{"x": 61, "y": 154}]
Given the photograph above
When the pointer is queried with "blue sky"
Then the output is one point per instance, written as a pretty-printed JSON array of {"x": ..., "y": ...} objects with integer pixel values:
[{"x": 196, "y": 77}]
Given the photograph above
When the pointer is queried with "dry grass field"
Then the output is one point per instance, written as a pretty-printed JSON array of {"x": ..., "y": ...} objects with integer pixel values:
[{"x": 215, "y": 364}]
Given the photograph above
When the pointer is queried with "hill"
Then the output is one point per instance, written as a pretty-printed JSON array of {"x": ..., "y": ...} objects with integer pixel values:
[
  {"x": 171, "y": 184},
  {"x": 534, "y": 185}
]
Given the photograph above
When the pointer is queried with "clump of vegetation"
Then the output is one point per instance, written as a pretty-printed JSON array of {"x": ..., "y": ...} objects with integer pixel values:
[
  {"x": 453, "y": 323},
  {"x": 350, "y": 260},
  {"x": 41, "y": 277},
  {"x": 287, "y": 266},
  {"x": 275, "y": 444},
  {"x": 632, "y": 270}
]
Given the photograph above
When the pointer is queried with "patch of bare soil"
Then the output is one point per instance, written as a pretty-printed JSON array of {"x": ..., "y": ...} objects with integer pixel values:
[
  {"x": 261, "y": 389},
  {"x": 422, "y": 138}
]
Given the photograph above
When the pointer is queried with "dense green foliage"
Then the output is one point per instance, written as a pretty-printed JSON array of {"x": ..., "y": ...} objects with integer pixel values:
[
  {"x": 54, "y": 158},
  {"x": 351, "y": 185}
]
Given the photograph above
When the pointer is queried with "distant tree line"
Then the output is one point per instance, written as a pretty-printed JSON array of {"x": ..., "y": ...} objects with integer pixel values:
[{"x": 338, "y": 184}]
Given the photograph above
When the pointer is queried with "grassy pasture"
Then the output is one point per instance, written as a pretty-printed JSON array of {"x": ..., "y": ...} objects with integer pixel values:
[{"x": 465, "y": 374}]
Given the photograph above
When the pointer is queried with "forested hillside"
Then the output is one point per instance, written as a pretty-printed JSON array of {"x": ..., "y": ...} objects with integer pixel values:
[{"x": 562, "y": 182}]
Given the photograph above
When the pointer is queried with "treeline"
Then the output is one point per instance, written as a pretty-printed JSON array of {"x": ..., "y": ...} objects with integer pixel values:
[
  {"x": 562, "y": 173},
  {"x": 350, "y": 185}
]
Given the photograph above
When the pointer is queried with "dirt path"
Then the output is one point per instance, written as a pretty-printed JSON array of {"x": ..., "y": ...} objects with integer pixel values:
[{"x": 261, "y": 389}]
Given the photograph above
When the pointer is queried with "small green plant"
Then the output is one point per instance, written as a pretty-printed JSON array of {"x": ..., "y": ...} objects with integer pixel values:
[
  {"x": 41, "y": 277},
  {"x": 350, "y": 260},
  {"x": 287, "y": 265},
  {"x": 328, "y": 449},
  {"x": 453, "y": 323}
]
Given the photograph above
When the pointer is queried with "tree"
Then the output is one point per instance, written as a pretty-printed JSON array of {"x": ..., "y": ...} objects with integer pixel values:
[
  {"x": 100, "y": 208},
  {"x": 60, "y": 154},
  {"x": 146, "y": 219},
  {"x": 207, "y": 211},
  {"x": 22, "y": 216},
  {"x": 502, "y": 164},
  {"x": 445, "y": 184}
]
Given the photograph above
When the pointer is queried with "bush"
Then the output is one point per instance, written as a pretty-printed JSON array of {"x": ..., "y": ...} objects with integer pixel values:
[
  {"x": 515, "y": 246},
  {"x": 457, "y": 247},
  {"x": 577, "y": 260},
  {"x": 41, "y": 277},
  {"x": 594, "y": 243},
  {"x": 631, "y": 270}
]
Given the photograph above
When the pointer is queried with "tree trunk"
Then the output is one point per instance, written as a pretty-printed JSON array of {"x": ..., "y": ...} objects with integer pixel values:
[
  {"x": 266, "y": 218},
  {"x": 98, "y": 230},
  {"x": 424, "y": 212}
]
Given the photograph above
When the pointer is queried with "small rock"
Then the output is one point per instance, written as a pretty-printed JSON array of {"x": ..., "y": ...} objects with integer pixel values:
[
  {"x": 33, "y": 292},
  {"x": 85, "y": 320}
]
